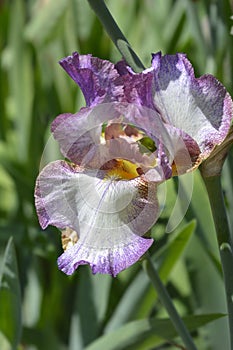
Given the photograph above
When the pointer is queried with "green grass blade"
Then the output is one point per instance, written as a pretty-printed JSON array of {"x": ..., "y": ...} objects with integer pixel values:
[
  {"x": 10, "y": 297},
  {"x": 139, "y": 295},
  {"x": 87, "y": 317},
  {"x": 135, "y": 332},
  {"x": 17, "y": 58},
  {"x": 167, "y": 258},
  {"x": 46, "y": 21}
]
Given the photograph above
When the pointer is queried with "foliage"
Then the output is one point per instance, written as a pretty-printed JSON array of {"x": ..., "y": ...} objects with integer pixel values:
[{"x": 40, "y": 307}]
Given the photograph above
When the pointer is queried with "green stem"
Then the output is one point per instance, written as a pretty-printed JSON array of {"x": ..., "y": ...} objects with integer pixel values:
[
  {"x": 116, "y": 35},
  {"x": 167, "y": 302},
  {"x": 214, "y": 189}
]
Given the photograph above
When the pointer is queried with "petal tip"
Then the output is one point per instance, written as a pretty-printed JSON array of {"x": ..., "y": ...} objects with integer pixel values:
[{"x": 104, "y": 261}]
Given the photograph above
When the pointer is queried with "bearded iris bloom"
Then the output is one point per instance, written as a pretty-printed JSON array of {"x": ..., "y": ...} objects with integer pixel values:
[
  {"x": 101, "y": 198},
  {"x": 137, "y": 130}
]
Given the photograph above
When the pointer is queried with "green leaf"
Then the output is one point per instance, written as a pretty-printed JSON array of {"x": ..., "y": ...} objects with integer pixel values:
[
  {"x": 83, "y": 18},
  {"x": 167, "y": 258},
  {"x": 194, "y": 21},
  {"x": 46, "y": 21},
  {"x": 87, "y": 317},
  {"x": 21, "y": 83},
  {"x": 228, "y": 186},
  {"x": 10, "y": 297},
  {"x": 137, "y": 331},
  {"x": 169, "y": 255},
  {"x": 41, "y": 339},
  {"x": 205, "y": 227},
  {"x": 140, "y": 295},
  {"x": 4, "y": 343}
]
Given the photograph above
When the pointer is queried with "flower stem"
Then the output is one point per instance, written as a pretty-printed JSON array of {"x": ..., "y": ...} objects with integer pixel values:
[
  {"x": 167, "y": 302},
  {"x": 214, "y": 189},
  {"x": 115, "y": 34}
]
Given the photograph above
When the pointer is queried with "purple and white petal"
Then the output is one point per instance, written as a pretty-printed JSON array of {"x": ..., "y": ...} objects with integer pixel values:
[
  {"x": 84, "y": 147},
  {"x": 98, "y": 79},
  {"x": 106, "y": 260},
  {"x": 186, "y": 151},
  {"x": 109, "y": 216},
  {"x": 79, "y": 135},
  {"x": 137, "y": 86},
  {"x": 200, "y": 107}
]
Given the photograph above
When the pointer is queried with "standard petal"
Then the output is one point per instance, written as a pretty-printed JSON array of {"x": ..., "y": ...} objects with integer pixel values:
[
  {"x": 109, "y": 216},
  {"x": 98, "y": 79},
  {"x": 200, "y": 107},
  {"x": 79, "y": 134},
  {"x": 186, "y": 151},
  {"x": 137, "y": 86},
  {"x": 84, "y": 147}
]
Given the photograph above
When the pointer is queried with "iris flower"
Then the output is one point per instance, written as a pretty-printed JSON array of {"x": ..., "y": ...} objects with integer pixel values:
[{"x": 137, "y": 130}]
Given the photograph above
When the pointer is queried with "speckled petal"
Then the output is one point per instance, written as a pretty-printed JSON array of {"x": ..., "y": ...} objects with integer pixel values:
[
  {"x": 106, "y": 260},
  {"x": 98, "y": 79},
  {"x": 137, "y": 87},
  {"x": 200, "y": 107},
  {"x": 109, "y": 216}
]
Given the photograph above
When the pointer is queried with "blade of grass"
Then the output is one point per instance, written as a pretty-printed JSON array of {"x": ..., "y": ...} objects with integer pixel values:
[
  {"x": 115, "y": 34},
  {"x": 139, "y": 296},
  {"x": 135, "y": 332},
  {"x": 10, "y": 297}
]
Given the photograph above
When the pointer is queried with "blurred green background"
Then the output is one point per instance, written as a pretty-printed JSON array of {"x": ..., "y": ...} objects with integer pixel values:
[{"x": 40, "y": 307}]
